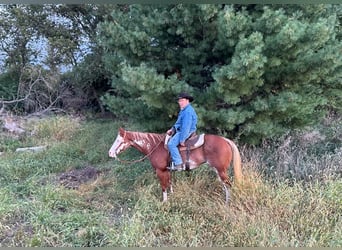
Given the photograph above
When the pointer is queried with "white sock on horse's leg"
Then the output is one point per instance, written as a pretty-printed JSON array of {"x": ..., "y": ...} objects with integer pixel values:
[
  {"x": 226, "y": 190},
  {"x": 164, "y": 196}
]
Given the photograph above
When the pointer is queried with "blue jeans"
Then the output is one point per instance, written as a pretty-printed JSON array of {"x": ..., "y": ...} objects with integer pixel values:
[{"x": 172, "y": 146}]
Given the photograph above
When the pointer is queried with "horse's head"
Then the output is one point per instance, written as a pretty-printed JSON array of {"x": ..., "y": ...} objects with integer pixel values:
[{"x": 120, "y": 144}]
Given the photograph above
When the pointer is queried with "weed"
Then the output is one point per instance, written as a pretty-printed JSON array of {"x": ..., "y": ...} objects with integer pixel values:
[{"x": 57, "y": 128}]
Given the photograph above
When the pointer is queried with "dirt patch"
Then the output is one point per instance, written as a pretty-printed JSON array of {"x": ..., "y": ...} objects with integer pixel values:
[{"x": 74, "y": 178}]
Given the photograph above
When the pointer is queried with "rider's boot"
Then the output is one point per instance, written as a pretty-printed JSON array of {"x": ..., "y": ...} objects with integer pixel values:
[{"x": 178, "y": 167}]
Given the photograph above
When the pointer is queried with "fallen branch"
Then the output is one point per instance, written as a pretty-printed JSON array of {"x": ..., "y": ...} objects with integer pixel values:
[{"x": 32, "y": 149}]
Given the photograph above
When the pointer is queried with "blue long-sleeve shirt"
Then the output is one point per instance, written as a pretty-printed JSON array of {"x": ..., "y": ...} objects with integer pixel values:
[{"x": 186, "y": 122}]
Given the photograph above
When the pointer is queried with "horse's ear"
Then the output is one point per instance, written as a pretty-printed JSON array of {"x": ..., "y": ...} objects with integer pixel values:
[{"x": 121, "y": 131}]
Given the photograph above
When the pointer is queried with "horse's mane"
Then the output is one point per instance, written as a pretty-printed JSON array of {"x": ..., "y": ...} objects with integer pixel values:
[{"x": 153, "y": 138}]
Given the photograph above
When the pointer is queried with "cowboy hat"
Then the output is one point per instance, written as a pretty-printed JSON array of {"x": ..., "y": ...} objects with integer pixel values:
[{"x": 186, "y": 96}]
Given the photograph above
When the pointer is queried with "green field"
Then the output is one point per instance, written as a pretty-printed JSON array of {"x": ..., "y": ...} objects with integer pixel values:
[{"x": 73, "y": 194}]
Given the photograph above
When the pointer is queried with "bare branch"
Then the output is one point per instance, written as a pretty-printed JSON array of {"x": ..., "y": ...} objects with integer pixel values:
[{"x": 38, "y": 91}]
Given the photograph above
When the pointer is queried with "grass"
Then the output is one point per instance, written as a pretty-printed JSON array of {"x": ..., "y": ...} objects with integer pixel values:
[{"x": 291, "y": 196}]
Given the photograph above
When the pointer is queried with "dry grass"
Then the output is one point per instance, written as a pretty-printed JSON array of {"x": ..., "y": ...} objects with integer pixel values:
[{"x": 58, "y": 128}]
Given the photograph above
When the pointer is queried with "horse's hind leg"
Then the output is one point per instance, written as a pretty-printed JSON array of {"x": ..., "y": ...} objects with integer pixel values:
[
  {"x": 223, "y": 177},
  {"x": 226, "y": 191}
]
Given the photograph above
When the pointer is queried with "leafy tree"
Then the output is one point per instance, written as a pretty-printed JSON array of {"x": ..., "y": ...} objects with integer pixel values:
[
  {"x": 49, "y": 35},
  {"x": 55, "y": 37},
  {"x": 8, "y": 85},
  {"x": 15, "y": 34},
  {"x": 88, "y": 79},
  {"x": 18, "y": 31},
  {"x": 255, "y": 70}
]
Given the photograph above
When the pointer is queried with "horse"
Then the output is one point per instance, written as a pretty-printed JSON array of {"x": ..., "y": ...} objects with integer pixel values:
[{"x": 217, "y": 151}]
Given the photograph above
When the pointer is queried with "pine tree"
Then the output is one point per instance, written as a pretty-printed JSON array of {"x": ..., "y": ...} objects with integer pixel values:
[{"x": 255, "y": 71}]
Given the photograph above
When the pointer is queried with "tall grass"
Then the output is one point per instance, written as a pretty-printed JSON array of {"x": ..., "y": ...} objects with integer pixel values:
[{"x": 291, "y": 195}]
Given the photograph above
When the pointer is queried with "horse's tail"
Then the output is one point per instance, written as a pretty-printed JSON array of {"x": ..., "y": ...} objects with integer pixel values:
[{"x": 236, "y": 161}]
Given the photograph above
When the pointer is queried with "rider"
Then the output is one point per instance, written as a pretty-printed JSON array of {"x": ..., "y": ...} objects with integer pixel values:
[{"x": 182, "y": 129}]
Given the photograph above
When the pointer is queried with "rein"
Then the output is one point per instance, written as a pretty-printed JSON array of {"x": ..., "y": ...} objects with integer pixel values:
[{"x": 139, "y": 160}]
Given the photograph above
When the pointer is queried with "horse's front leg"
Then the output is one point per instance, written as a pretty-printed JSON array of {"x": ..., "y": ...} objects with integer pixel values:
[{"x": 164, "y": 179}]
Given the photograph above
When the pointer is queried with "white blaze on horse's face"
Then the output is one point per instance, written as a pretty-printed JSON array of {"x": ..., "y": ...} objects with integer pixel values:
[{"x": 118, "y": 146}]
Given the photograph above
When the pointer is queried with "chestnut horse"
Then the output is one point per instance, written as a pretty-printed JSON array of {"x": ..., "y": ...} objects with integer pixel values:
[{"x": 217, "y": 151}]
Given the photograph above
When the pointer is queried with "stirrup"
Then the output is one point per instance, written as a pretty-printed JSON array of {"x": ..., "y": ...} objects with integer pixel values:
[{"x": 173, "y": 167}]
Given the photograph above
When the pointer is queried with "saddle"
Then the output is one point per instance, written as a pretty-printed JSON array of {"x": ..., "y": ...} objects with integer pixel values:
[{"x": 194, "y": 141}]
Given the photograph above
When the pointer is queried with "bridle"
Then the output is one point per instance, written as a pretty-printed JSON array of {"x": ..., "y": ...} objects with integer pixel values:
[{"x": 143, "y": 158}]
